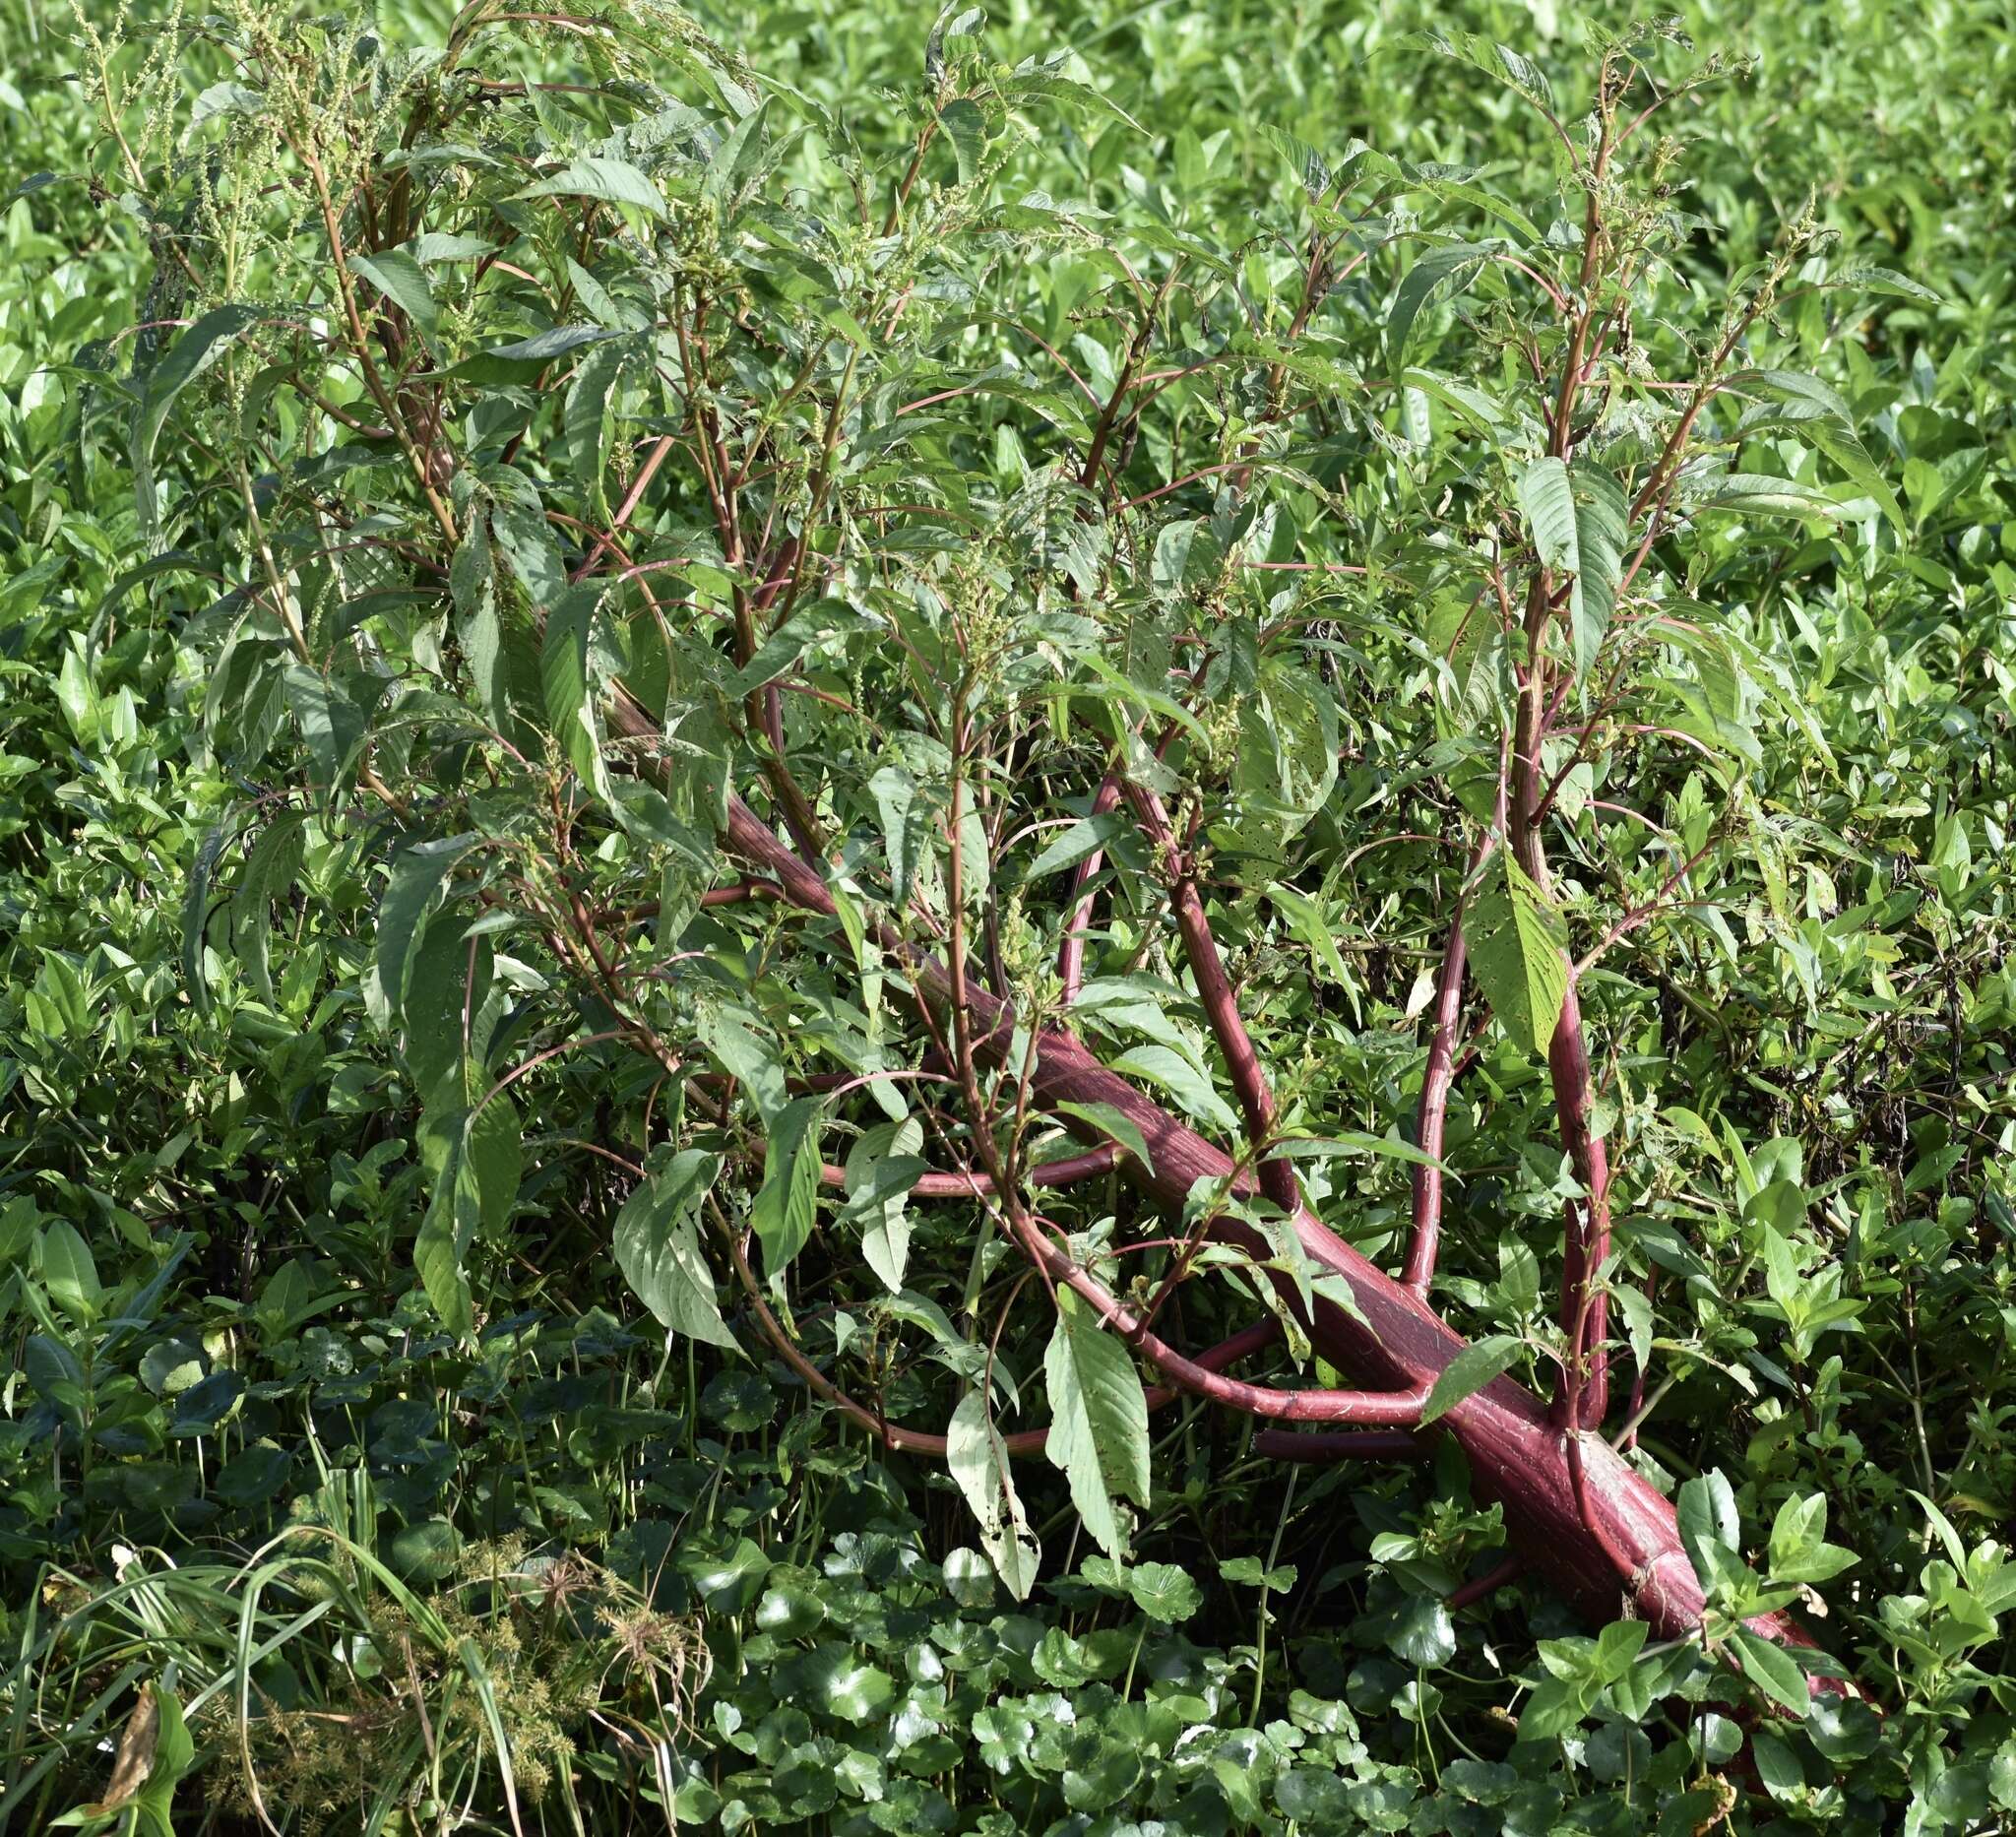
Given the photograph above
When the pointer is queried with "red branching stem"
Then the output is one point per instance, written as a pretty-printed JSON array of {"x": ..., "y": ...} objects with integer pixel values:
[
  {"x": 768, "y": 706},
  {"x": 1366, "y": 1445},
  {"x": 1586, "y": 1222},
  {"x": 1228, "y": 1351},
  {"x": 1221, "y": 1007},
  {"x": 1571, "y": 1408},
  {"x": 891, "y": 1434},
  {"x": 1585, "y": 1389},
  {"x": 1137, "y": 349},
  {"x": 738, "y": 894},
  {"x": 1585, "y": 1314},
  {"x": 1595, "y": 1521},
  {"x": 624, "y": 511},
  {"x": 1388, "y": 1336},
  {"x": 1440, "y": 1074},
  {"x": 1176, "y": 484},
  {"x": 973, "y": 1184},
  {"x": 1432, "y": 1116},
  {"x": 1650, "y": 909},
  {"x": 1071, "y": 958}
]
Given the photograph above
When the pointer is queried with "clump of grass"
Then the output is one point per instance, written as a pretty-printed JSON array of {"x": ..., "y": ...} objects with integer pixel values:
[{"x": 319, "y": 1686}]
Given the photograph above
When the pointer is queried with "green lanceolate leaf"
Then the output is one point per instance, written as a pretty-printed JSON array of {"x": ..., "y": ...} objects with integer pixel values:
[
  {"x": 452, "y": 1000},
  {"x": 447, "y": 1230},
  {"x": 1744, "y": 491},
  {"x": 268, "y": 875},
  {"x": 903, "y": 825},
  {"x": 605, "y": 180},
  {"x": 1115, "y": 1124},
  {"x": 782, "y": 650},
  {"x": 787, "y": 1204},
  {"x": 1774, "y": 1671},
  {"x": 474, "y": 1191},
  {"x": 749, "y": 1057},
  {"x": 526, "y": 359},
  {"x": 196, "y": 910},
  {"x": 1576, "y": 517},
  {"x": 590, "y": 417},
  {"x": 1818, "y": 415},
  {"x": 881, "y": 1168},
  {"x": 1516, "y": 946},
  {"x": 1453, "y": 265},
  {"x": 1500, "y": 62},
  {"x": 1087, "y": 836},
  {"x": 1475, "y": 1366},
  {"x": 403, "y": 282},
  {"x": 1602, "y": 515},
  {"x": 493, "y": 1146},
  {"x": 201, "y": 346},
  {"x": 417, "y": 877},
  {"x": 1548, "y": 504},
  {"x": 69, "y": 1272},
  {"x": 1871, "y": 280},
  {"x": 1183, "y": 1080},
  {"x": 743, "y": 153},
  {"x": 967, "y": 129},
  {"x": 480, "y": 626},
  {"x": 1099, "y": 1421},
  {"x": 330, "y": 722},
  {"x": 567, "y": 677},
  {"x": 657, "y": 1249}
]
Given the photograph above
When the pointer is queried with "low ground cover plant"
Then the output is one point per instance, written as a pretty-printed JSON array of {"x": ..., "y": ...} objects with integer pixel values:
[{"x": 956, "y": 927}]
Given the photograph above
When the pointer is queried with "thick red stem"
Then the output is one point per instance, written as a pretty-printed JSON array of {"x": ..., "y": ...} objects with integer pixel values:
[
  {"x": 1586, "y": 1221},
  {"x": 1432, "y": 1116},
  {"x": 1071, "y": 957},
  {"x": 736, "y": 895},
  {"x": 1585, "y": 1316},
  {"x": 1215, "y": 992}
]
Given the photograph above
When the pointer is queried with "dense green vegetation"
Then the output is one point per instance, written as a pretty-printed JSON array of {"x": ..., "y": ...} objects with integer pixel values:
[{"x": 635, "y": 644}]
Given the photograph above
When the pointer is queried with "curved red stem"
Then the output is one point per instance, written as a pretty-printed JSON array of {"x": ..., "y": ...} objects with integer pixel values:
[
  {"x": 1376, "y": 1409},
  {"x": 1022, "y": 1443},
  {"x": 1221, "y": 1007},
  {"x": 1432, "y": 1116},
  {"x": 1493, "y": 1579},
  {"x": 977, "y": 1185},
  {"x": 1071, "y": 956},
  {"x": 1370, "y": 1444}
]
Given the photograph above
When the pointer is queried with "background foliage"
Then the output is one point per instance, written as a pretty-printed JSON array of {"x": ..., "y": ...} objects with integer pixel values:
[{"x": 544, "y": 1564}]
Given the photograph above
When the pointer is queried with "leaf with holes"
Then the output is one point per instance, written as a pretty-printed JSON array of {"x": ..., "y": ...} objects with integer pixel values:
[{"x": 979, "y": 1461}]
